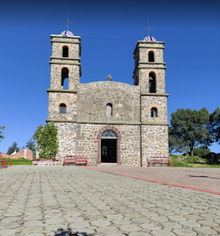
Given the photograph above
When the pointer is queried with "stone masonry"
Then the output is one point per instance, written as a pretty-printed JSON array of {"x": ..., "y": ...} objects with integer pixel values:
[{"x": 135, "y": 115}]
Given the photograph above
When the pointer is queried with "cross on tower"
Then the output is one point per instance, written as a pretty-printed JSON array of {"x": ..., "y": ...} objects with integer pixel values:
[
  {"x": 67, "y": 22},
  {"x": 148, "y": 28}
]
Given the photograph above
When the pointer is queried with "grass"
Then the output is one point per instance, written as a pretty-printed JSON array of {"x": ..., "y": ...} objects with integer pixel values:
[
  {"x": 20, "y": 161},
  {"x": 192, "y": 161}
]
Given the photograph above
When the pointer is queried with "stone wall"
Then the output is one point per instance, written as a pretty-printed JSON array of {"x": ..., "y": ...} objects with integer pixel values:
[
  {"x": 56, "y": 76},
  {"x": 66, "y": 138},
  {"x": 154, "y": 142},
  {"x": 93, "y": 98},
  {"x": 73, "y": 45},
  {"x": 69, "y": 99},
  {"x": 158, "y": 53},
  {"x": 160, "y": 80},
  {"x": 82, "y": 140},
  {"x": 147, "y": 102},
  {"x": 20, "y": 154}
]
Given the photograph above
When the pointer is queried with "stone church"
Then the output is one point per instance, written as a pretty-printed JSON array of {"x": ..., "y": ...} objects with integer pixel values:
[{"x": 107, "y": 121}]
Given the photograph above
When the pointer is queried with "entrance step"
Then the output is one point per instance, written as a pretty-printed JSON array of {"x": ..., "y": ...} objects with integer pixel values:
[{"x": 108, "y": 164}]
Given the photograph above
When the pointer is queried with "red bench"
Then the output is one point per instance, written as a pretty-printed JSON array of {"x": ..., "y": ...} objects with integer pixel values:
[
  {"x": 75, "y": 159},
  {"x": 160, "y": 160},
  {"x": 3, "y": 161}
]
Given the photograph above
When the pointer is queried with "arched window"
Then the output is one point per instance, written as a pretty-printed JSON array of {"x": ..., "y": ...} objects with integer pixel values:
[
  {"x": 64, "y": 79},
  {"x": 153, "y": 112},
  {"x": 62, "y": 108},
  {"x": 65, "y": 51},
  {"x": 151, "y": 56},
  {"x": 109, "y": 110},
  {"x": 152, "y": 82}
]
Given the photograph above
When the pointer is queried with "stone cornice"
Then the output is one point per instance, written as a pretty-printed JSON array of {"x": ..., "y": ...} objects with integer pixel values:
[
  {"x": 151, "y": 63},
  {"x": 107, "y": 123},
  {"x": 146, "y": 66},
  {"x": 65, "y": 63},
  {"x": 154, "y": 123},
  {"x": 66, "y": 58},
  {"x": 66, "y": 121},
  {"x": 61, "y": 90},
  {"x": 65, "y": 41},
  {"x": 155, "y": 94},
  {"x": 149, "y": 46},
  {"x": 61, "y": 36}
]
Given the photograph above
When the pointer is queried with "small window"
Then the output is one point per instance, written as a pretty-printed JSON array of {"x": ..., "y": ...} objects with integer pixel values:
[
  {"x": 151, "y": 56},
  {"x": 152, "y": 83},
  {"x": 154, "y": 112},
  {"x": 65, "y": 51},
  {"x": 62, "y": 108},
  {"x": 109, "y": 111}
]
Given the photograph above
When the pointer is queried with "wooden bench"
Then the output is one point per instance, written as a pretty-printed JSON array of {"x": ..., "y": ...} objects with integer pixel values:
[
  {"x": 75, "y": 159},
  {"x": 3, "y": 161},
  {"x": 160, "y": 160}
]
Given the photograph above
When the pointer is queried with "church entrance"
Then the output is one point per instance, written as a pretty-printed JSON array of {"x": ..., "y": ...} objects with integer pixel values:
[{"x": 109, "y": 147}]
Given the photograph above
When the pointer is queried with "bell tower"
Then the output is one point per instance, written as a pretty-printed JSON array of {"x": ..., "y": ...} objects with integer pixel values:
[
  {"x": 149, "y": 75},
  {"x": 65, "y": 77}
]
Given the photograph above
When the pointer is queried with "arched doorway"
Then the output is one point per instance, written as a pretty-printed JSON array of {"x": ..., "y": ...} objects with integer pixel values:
[{"x": 109, "y": 147}]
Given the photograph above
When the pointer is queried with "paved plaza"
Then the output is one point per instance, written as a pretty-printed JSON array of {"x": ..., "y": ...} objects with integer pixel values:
[{"x": 84, "y": 201}]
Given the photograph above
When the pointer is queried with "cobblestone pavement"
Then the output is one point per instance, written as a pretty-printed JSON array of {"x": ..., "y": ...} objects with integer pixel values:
[
  {"x": 207, "y": 179},
  {"x": 49, "y": 200}
]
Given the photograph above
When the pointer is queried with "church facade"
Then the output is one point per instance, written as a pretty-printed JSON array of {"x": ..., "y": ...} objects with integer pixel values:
[{"x": 107, "y": 121}]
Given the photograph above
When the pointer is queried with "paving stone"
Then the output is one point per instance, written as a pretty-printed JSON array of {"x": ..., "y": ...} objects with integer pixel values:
[
  {"x": 36, "y": 223},
  {"x": 115, "y": 234},
  {"x": 205, "y": 230},
  {"x": 101, "y": 223},
  {"x": 151, "y": 226},
  {"x": 33, "y": 229},
  {"x": 10, "y": 219},
  {"x": 54, "y": 221},
  {"x": 115, "y": 217},
  {"x": 207, "y": 222},
  {"x": 130, "y": 228},
  {"x": 8, "y": 232},
  {"x": 159, "y": 218},
  {"x": 77, "y": 225},
  {"x": 139, "y": 234},
  {"x": 158, "y": 232},
  {"x": 108, "y": 229},
  {"x": 184, "y": 232},
  {"x": 191, "y": 224}
]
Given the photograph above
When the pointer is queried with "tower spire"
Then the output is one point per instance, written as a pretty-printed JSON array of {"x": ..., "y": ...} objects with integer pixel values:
[{"x": 67, "y": 22}]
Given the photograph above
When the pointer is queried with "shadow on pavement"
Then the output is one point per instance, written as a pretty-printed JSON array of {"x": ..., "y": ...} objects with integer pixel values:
[
  {"x": 69, "y": 232},
  {"x": 202, "y": 176}
]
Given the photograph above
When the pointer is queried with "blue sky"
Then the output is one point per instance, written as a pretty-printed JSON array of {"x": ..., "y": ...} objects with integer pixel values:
[{"x": 109, "y": 31}]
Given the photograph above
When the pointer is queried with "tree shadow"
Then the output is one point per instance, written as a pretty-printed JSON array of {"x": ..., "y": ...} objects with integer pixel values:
[
  {"x": 70, "y": 232},
  {"x": 203, "y": 176}
]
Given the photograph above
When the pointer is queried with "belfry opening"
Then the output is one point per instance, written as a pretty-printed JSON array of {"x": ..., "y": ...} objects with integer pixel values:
[{"x": 109, "y": 147}]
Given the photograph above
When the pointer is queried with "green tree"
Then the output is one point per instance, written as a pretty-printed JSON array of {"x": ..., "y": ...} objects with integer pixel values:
[
  {"x": 215, "y": 125},
  {"x": 46, "y": 138},
  {"x": 30, "y": 144},
  {"x": 201, "y": 151},
  {"x": 12, "y": 148},
  {"x": 190, "y": 129},
  {"x": 1, "y": 132}
]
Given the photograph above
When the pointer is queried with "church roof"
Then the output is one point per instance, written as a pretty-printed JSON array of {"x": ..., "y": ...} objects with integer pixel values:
[
  {"x": 150, "y": 38},
  {"x": 66, "y": 33}
]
